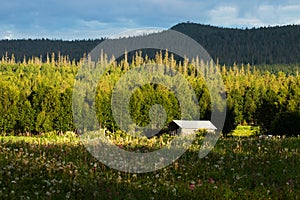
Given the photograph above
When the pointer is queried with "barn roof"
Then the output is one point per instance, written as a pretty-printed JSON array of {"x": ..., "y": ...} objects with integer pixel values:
[{"x": 195, "y": 124}]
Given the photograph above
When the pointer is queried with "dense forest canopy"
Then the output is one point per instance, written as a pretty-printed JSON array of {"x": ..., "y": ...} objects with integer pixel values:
[
  {"x": 264, "y": 45},
  {"x": 28, "y": 48},
  {"x": 257, "y": 46},
  {"x": 36, "y": 96}
]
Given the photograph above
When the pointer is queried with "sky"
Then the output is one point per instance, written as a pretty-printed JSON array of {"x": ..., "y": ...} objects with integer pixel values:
[{"x": 90, "y": 19}]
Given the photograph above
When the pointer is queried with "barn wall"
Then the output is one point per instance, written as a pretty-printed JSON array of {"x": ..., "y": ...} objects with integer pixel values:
[{"x": 188, "y": 131}]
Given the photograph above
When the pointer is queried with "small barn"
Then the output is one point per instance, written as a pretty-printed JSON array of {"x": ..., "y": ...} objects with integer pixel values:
[{"x": 177, "y": 127}]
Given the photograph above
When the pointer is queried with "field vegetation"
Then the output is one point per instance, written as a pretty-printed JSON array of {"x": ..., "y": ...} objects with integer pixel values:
[{"x": 60, "y": 167}]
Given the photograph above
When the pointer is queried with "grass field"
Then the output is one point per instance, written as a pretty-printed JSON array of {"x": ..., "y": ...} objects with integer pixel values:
[{"x": 238, "y": 168}]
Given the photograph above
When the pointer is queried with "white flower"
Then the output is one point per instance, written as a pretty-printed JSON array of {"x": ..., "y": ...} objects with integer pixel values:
[
  {"x": 68, "y": 195},
  {"x": 119, "y": 178}
]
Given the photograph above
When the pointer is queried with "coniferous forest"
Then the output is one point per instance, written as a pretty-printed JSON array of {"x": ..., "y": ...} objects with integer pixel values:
[{"x": 36, "y": 95}]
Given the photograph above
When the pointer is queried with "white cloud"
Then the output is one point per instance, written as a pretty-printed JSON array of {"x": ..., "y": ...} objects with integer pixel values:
[
  {"x": 279, "y": 15},
  {"x": 290, "y": 8},
  {"x": 237, "y": 15},
  {"x": 91, "y": 24},
  {"x": 228, "y": 16},
  {"x": 137, "y": 32},
  {"x": 224, "y": 11},
  {"x": 7, "y": 31},
  {"x": 8, "y": 35}
]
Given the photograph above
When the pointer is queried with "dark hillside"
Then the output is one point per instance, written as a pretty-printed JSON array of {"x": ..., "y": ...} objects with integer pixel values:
[{"x": 265, "y": 45}]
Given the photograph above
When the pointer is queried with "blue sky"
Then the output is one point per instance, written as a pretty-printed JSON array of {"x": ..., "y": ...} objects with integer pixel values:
[{"x": 78, "y": 19}]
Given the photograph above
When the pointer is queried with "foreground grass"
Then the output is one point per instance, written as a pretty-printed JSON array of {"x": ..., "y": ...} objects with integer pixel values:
[{"x": 61, "y": 168}]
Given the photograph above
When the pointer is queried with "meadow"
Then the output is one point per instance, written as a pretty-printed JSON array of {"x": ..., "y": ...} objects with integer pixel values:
[{"x": 59, "y": 167}]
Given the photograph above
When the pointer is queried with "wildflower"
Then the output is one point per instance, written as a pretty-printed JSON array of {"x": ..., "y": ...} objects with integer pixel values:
[
  {"x": 211, "y": 180},
  {"x": 286, "y": 149},
  {"x": 289, "y": 182},
  {"x": 192, "y": 186},
  {"x": 174, "y": 190},
  {"x": 199, "y": 183},
  {"x": 119, "y": 179},
  {"x": 68, "y": 195}
]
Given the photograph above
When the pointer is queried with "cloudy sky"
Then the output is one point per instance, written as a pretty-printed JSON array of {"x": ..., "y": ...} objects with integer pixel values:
[{"x": 78, "y": 19}]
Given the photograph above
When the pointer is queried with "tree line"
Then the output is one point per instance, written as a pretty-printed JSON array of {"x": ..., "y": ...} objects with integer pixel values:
[
  {"x": 21, "y": 49},
  {"x": 257, "y": 46},
  {"x": 36, "y": 95}
]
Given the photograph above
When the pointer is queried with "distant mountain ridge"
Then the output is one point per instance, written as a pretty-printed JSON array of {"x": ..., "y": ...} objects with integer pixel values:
[{"x": 265, "y": 45}]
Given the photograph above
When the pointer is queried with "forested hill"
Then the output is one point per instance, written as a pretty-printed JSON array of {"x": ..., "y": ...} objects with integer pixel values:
[
  {"x": 259, "y": 46},
  {"x": 41, "y": 47},
  {"x": 265, "y": 45}
]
